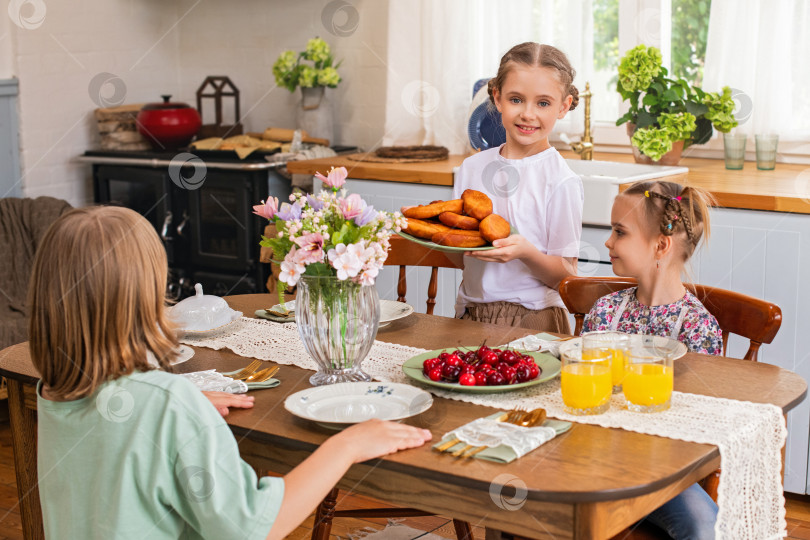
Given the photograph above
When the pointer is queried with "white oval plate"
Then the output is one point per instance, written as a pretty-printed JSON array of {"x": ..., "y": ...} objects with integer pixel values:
[
  {"x": 391, "y": 310},
  {"x": 659, "y": 344},
  {"x": 354, "y": 402}
]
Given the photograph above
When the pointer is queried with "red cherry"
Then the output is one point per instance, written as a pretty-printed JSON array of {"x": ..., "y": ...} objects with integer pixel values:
[
  {"x": 480, "y": 378},
  {"x": 466, "y": 379},
  {"x": 495, "y": 379},
  {"x": 489, "y": 357},
  {"x": 435, "y": 374},
  {"x": 430, "y": 363},
  {"x": 501, "y": 366},
  {"x": 451, "y": 372},
  {"x": 444, "y": 355},
  {"x": 509, "y": 374},
  {"x": 453, "y": 360},
  {"x": 523, "y": 373},
  {"x": 510, "y": 357},
  {"x": 535, "y": 371},
  {"x": 467, "y": 368}
]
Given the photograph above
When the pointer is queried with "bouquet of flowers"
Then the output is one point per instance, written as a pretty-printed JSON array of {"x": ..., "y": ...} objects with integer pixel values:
[
  {"x": 667, "y": 110},
  {"x": 331, "y": 234},
  {"x": 290, "y": 72}
]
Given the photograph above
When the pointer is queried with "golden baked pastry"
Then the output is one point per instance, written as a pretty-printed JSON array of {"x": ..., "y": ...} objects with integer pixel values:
[
  {"x": 476, "y": 204},
  {"x": 427, "y": 211},
  {"x": 494, "y": 227},
  {"x": 457, "y": 221},
  {"x": 424, "y": 229},
  {"x": 459, "y": 238}
]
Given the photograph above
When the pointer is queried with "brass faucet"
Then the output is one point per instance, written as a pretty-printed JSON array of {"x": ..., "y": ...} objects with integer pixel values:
[{"x": 585, "y": 146}]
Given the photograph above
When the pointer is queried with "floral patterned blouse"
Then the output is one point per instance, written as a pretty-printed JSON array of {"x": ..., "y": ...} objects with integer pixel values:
[{"x": 699, "y": 330}]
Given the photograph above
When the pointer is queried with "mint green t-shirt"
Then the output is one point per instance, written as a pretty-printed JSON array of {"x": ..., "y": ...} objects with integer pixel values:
[{"x": 147, "y": 456}]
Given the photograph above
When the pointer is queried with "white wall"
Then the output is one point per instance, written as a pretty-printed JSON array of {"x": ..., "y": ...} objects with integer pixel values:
[{"x": 151, "y": 47}]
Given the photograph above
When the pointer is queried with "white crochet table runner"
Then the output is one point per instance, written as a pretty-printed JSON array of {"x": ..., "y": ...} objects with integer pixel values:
[{"x": 749, "y": 435}]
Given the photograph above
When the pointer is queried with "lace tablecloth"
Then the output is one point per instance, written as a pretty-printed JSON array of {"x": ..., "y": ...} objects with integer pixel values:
[{"x": 749, "y": 435}]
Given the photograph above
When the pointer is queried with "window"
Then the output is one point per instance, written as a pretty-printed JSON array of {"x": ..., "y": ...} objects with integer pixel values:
[{"x": 593, "y": 33}]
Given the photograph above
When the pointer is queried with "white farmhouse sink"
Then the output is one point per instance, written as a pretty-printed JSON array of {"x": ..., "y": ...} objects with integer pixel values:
[{"x": 601, "y": 180}]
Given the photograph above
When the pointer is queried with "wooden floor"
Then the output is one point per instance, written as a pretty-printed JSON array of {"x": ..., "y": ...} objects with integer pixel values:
[{"x": 798, "y": 507}]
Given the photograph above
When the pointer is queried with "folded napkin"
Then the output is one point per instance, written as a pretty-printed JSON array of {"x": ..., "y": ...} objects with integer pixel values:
[
  {"x": 213, "y": 381},
  {"x": 264, "y": 314},
  {"x": 506, "y": 442},
  {"x": 541, "y": 342}
]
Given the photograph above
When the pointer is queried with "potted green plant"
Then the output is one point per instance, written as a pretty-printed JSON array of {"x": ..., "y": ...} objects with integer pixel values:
[
  {"x": 667, "y": 115},
  {"x": 313, "y": 70}
]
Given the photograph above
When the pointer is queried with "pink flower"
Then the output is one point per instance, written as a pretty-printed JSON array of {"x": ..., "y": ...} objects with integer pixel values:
[
  {"x": 335, "y": 178},
  {"x": 352, "y": 206},
  {"x": 345, "y": 261},
  {"x": 311, "y": 248},
  {"x": 267, "y": 209}
]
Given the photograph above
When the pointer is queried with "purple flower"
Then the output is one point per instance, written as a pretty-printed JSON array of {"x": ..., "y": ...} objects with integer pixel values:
[
  {"x": 288, "y": 211},
  {"x": 314, "y": 203},
  {"x": 335, "y": 178},
  {"x": 352, "y": 206},
  {"x": 368, "y": 215}
]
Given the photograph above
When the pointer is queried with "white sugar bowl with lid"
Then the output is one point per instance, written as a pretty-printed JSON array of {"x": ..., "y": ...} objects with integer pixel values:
[{"x": 203, "y": 312}]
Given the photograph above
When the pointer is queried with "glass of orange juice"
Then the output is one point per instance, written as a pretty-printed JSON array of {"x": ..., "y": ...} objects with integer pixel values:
[
  {"x": 613, "y": 345},
  {"x": 585, "y": 382},
  {"x": 648, "y": 381}
]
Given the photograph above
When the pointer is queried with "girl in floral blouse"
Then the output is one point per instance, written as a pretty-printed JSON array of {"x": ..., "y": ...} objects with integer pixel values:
[{"x": 656, "y": 228}]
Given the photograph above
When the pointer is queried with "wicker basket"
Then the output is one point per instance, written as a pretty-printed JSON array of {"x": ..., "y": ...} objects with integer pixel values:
[{"x": 118, "y": 129}]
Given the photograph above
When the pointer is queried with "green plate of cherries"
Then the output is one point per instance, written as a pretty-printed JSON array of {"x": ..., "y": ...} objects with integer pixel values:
[{"x": 492, "y": 370}]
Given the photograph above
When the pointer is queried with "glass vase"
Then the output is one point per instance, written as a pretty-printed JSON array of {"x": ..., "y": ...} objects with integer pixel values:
[
  {"x": 315, "y": 113},
  {"x": 337, "y": 322}
]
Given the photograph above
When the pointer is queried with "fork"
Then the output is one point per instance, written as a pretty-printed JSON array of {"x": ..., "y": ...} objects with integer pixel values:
[
  {"x": 263, "y": 375},
  {"x": 509, "y": 417},
  {"x": 533, "y": 418},
  {"x": 505, "y": 417},
  {"x": 247, "y": 371}
]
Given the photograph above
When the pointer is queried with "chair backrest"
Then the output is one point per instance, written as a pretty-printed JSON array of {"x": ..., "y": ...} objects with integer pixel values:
[
  {"x": 404, "y": 253},
  {"x": 736, "y": 313}
]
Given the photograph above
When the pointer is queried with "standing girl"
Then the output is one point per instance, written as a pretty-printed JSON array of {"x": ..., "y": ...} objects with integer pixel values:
[
  {"x": 129, "y": 451},
  {"x": 656, "y": 228},
  {"x": 533, "y": 188}
]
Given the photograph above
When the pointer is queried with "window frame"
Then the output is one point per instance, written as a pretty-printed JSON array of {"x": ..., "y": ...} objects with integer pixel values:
[{"x": 608, "y": 137}]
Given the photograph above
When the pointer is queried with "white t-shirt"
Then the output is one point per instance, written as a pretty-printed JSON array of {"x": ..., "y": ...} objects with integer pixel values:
[{"x": 542, "y": 198}]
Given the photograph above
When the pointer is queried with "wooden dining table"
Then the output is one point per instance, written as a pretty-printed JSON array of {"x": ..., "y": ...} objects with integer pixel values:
[{"x": 590, "y": 482}]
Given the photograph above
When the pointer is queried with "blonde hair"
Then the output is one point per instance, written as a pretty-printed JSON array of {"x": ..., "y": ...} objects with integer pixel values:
[
  {"x": 533, "y": 54},
  {"x": 97, "y": 300},
  {"x": 674, "y": 210}
]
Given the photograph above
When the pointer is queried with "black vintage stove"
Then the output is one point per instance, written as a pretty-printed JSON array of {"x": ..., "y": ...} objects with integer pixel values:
[{"x": 201, "y": 206}]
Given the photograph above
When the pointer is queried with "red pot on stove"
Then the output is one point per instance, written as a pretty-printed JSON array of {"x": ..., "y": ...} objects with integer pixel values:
[{"x": 168, "y": 125}]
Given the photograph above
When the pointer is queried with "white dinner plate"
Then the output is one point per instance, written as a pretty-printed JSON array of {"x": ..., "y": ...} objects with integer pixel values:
[
  {"x": 186, "y": 353},
  {"x": 659, "y": 345},
  {"x": 338, "y": 405},
  {"x": 391, "y": 310}
]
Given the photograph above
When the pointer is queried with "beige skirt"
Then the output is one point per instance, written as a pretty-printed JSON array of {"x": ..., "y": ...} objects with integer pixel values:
[{"x": 552, "y": 319}]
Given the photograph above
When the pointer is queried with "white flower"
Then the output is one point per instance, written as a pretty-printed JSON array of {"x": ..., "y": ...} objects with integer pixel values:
[
  {"x": 345, "y": 261},
  {"x": 368, "y": 275},
  {"x": 290, "y": 269}
]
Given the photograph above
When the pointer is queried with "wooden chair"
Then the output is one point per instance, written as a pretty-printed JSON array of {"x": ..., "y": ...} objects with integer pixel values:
[
  {"x": 749, "y": 317},
  {"x": 404, "y": 253},
  {"x": 736, "y": 313}
]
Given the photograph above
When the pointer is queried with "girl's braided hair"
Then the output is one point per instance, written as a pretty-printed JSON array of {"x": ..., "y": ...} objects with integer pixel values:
[{"x": 675, "y": 210}]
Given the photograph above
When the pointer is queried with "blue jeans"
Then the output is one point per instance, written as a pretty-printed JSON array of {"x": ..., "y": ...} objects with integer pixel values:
[{"x": 689, "y": 516}]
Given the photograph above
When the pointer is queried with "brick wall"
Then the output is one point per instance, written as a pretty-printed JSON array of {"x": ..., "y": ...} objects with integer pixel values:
[{"x": 151, "y": 47}]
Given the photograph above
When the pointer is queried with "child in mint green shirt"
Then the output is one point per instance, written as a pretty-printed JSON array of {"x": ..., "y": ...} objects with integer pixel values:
[{"x": 127, "y": 451}]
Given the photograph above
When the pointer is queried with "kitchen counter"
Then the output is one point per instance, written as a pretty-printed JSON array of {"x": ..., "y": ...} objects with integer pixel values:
[
  {"x": 437, "y": 173},
  {"x": 784, "y": 189}
]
